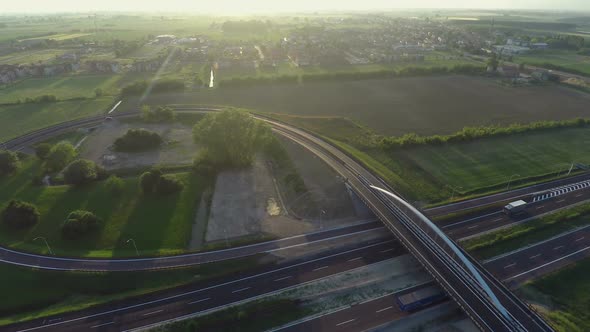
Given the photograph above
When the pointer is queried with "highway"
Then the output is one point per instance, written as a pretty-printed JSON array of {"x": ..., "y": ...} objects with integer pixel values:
[
  {"x": 197, "y": 299},
  {"x": 496, "y": 220},
  {"x": 457, "y": 277}
]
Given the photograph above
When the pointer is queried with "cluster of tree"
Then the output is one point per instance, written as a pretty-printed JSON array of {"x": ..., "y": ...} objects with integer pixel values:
[
  {"x": 79, "y": 224},
  {"x": 83, "y": 171},
  {"x": 471, "y": 133},
  {"x": 347, "y": 76},
  {"x": 231, "y": 137},
  {"x": 282, "y": 160},
  {"x": 9, "y": 162},
  {"x": 141, "y": 87},
  {"x": 154, "y": 181},
  {"x": 567, "y": 42},
  {"x": 251, "y": 26},
  {"x": 138, "y": 140},
  {"x": 157, "y": 115},
  {"x": 20, "y": 215},
  {"x": 124, "y": 48},
  {"x": 56, "y": 157}
]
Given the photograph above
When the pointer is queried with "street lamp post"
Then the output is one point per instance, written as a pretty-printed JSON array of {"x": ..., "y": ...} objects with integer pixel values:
[
  {"x": 134, "y": 246},
  {"x": 47, "y": 244},
  {"x": 509, "y": 181}
]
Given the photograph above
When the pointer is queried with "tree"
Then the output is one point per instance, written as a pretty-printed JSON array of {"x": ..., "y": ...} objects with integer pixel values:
[
  {"x": 115, "y": 185},
  {"x": 42, "y": 150},
  {"x": 19, "y": 214},
  {"x": 158, "y": 115},
  {"x": 80, "y": 172},
  {"x": 9, "y": 162},
  {"x": 60, "y": 156},
  {"x": 493, "y": 62},
  {"x": 149, "y": 180},
  {"x": 98, "y": 92},
  {"x": 138, "y": 140},
  {"x": 231, "y": 137},
  {"x": 80, "y": 223}
]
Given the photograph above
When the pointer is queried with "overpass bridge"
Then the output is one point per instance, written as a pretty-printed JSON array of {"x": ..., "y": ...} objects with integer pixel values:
[{"x": 490, "y": 305}]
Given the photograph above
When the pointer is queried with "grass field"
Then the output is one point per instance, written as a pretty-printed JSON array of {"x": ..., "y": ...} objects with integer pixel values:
[
  {"x": 29, "y": 294},
  {"x": 567, "y": 59},
  {"x": 425, "y": 105},
  {"x": 566, "y": 295},
  {"x": 158, "y": 224},
  {"x": 19, "y": 119}
]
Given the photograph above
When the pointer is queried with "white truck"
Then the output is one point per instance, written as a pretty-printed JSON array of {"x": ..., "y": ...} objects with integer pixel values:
[{"x": 515, "y": 207}]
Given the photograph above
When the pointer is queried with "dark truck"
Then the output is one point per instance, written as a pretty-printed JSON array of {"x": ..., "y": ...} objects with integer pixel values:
[
  {"x": 420, "y": 298},
  {"x": 515, "y": 208}
]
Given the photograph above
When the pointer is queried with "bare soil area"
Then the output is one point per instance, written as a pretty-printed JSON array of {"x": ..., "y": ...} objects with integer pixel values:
[{"x": 178, "y": 148}]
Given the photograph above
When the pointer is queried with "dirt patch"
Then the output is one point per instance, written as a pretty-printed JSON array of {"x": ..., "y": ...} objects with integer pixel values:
[{"x": 179, "y": 147}]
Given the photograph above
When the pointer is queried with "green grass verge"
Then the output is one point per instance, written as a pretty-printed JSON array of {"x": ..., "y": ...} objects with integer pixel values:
[
  {"x": 256, "y": 316},
  {"x": 508, "y": 239},
  {"x": 29, "y": 294},
  {"x": 566, "y": 296},
  {"x": 158, "y": 224},
  {"x": 20, "y": 119}
]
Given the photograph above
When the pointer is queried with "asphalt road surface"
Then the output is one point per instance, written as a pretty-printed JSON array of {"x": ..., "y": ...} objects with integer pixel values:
[{"x": 217, "y": 294}]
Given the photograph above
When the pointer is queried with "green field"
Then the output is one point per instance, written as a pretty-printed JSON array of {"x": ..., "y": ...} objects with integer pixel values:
[
  {"x": 158, "y": 224},
  {"x": 566, "y": 59},
  {"x": 19, "y": 119},
  {"x": 491, "y": 161},
  {"x": 564, "y": 297},
  {"x": 29, "y": 294}
]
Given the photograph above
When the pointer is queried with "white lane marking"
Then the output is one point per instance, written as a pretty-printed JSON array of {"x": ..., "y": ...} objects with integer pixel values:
[
  {"x": 472, "y": 227},
  {"x": 54, "y": 320},
  {"x": 355, "y": 259},
  {"x": 153, "y": 312},
  {"x": 381, "y": 310},
  {"x": 348, "y": 321},
  {"x": 540, "y": 207},
  {"x": 579, "y": 239},
  {"x": 201, "y": 300},
  {"x": 468, "y": 220},
  {"x": 207, "y": 288},
  {"x": 386, "y": 250},
  {"x": 578, "y": 195},
  {"x": 241, "y": 290},
  {"x": 533, "y": 257},
  {"x": 558, "y": 247},
  {"x": 497, "y": 219},
  {"x": 561, "y": 201},
  {"x": 321, "y": 268},
  {"x": 546, "y": 264},
  {"x": 283, "y": 278},
  {"x": 509, "y": 265},
  {"x": 104, "y": 324}
]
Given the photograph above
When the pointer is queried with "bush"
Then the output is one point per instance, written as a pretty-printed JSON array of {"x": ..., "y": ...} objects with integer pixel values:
[
  {"x": 168, "y": 184},
  {"x": 20, "y": 214},
  {"x": 115, "y": 185},
  {"x": 160, "y": 114},
  {"x": 203, "y": 165},
  {"x": 80, "y": 223},
  {"x": 9, "y": 162},
  {"x": 60, "y": 156},
  {"x": 80, "y": 172},
  {"x": 138, "y": 140},
  {"x": 42, "y": 150},
  {"x": 149, "y": 180}
]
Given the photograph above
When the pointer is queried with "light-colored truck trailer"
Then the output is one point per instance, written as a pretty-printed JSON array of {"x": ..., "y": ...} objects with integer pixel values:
[{"x": 515, "y": 207}]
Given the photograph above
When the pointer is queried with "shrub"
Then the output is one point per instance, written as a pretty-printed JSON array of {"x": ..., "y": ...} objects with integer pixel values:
[
  {"x": 149, "y": 180},
  {"x": 80, "y": 172},
  {"x": 168, "y": 184},
  {"x": 115, "y": 185},
  {"x": 9, "y": 162},
  {"x": 80, "y": 223},
  {"x": 59, "y": 156},
  {"x": 203, "y": 165},
  {"x": 160, "y": 114},
  {"x": 138, "y": 140},
  {"x": 20, "y": 214},
  {"x": 42, "y": 150}
]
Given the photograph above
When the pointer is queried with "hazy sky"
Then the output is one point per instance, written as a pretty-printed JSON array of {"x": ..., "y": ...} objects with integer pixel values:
[{"x": 236, "y": 6}]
